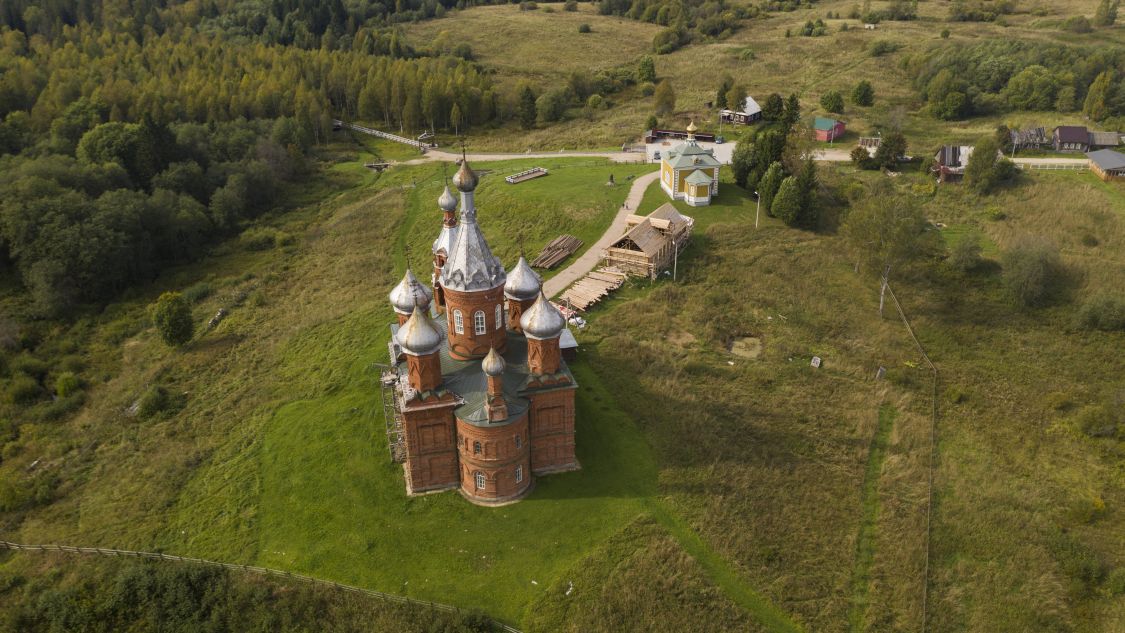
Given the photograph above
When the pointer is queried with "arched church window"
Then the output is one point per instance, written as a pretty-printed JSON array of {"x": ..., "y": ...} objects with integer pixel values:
[
  {"x": 480, "y": 480},
  {"x": 480, "y": 324},
  {"x": 499, "y": 317},
  {"x": 476, "y": 448},
  {"x": 458, "y": 322},
  {"x": 519, "y": 474}
]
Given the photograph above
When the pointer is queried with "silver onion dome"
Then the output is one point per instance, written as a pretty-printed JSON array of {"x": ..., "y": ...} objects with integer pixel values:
[
  {"x": 465, "y": 179},
  {"x": 523, "y": 282},
  {"x": 542, "y": 320},
  {"x": 493, "y": 364},
  {"x": 409, "y": 293},
  {"x": 418, "y": 336},
  {"x": 447, "y": 202}
]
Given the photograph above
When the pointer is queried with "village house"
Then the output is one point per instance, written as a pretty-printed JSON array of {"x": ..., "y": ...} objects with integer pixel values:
[
  {"x": 1030, "y": 138},
  {"x": 747, "y": 114},
  {"x": 1107, "y": 164},
  {"x": 950, "y": 161},
  {"x": 1104, "y": 140},
  {"x": 690, "y": 172},
  {"x": 828, "y": 129},
  {"x": 650, "y": 243},
  {"x": 483, "y": 401},
  {"x": 1071, "y": 138}
]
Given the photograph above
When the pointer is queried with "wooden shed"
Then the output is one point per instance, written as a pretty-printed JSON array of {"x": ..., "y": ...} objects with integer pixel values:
[
  {"x": 651, "y": 242},
  {"x": 1107, "y": 164}
]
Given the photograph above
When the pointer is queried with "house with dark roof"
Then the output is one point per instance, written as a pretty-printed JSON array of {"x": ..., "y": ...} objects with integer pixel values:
[
  {"x": 950, "y": 161},
  {"x": 1071, "y": 138},
  {"x": 1107, "y": 164},
  {"x": 828, "y": 129},
  {"x": 747, "y": 114}
]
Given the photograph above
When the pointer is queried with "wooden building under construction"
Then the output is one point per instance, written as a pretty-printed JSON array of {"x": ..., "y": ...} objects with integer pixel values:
[{"x": 651, "y": 242}]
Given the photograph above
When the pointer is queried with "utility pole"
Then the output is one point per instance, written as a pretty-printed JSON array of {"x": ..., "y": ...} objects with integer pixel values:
[
  {"x": 758, "y": 209},
  {"x": 675, "y": 258}
]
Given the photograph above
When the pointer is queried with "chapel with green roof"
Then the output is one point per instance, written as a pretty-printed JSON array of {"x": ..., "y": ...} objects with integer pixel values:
[{"x": 690, "y": 172}]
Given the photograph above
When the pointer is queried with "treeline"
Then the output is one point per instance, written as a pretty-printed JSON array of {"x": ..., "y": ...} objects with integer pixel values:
[
  {"x": 135, "y": 199},
  {"x": 195, "y": 77},
  {"x": 1001, "y": 75},
  {"x": 685, "y": 19},
  {"x": 142, "y": 596}
]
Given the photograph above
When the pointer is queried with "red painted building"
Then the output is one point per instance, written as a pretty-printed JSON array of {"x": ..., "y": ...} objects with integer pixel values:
[
  {"x": 828, "y": 129},
  {"x": 483, "y": 396}
]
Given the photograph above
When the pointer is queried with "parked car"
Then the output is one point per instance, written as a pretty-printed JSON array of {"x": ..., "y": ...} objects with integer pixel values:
[
  {"x": 656, "y": 156},
  {"x": 720, "y": 140}
]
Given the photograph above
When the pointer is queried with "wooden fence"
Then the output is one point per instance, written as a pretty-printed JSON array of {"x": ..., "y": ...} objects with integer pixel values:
[
  {"x": 265, "y": 571},
  {"x": 387, "y": 135}
]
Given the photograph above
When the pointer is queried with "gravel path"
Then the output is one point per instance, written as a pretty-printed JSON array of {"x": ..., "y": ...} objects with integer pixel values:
[{"x": 593, "y": 255}]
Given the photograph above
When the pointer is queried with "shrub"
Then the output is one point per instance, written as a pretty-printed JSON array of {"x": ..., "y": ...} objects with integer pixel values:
[
  {"x": 260, "y": 238},
  {"x": 965, "y": 255},
  {"x": 862, "y": 159},
  {"x": 1097, "y": 421},
  {"x": 883, "y": 47},
  {"x": 198, "y": 292},
  {"x": 1115, "y": 582},
  {"x": 571, "y": 5},
  {"x": 29, "y": 365},
  {"x": 528, "y": 6},
  {"x": 945, "y": 34},
  {"x": 583, "y": 28},
  {"x": 647, "y": 89},
  {"x": 1106, "y": 13},
  {"x": 154, "y": 400},
  {"x": 833, "y": 102},
  {"x": 1102, "y": 312},
  {"x": 23, "y": 389},
  {"x": 172, "y": 317},
  {"x": 863, "y": 94},
  {"x": 1077, "y": 24},
  {"x": 66, "y": 384},
  {"x": 1033, "y": 271}
]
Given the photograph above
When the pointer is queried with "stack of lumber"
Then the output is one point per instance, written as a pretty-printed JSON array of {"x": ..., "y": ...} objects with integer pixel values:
[
  {"x": 557, "y": 250},
  {"x": 592, "y": 288}
]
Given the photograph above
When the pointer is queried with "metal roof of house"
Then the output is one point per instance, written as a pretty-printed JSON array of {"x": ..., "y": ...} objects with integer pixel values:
[
  {"x": 1110, "y": 139},
  {"x": 1072, "y": 134},
  {"x": 954, "y": 155},
  {"x": 750, "y": 106},
  {"x": 698, "y": 178},
  {"x": 825, "y": 123},
  {"x": 1107, "y": 159}
]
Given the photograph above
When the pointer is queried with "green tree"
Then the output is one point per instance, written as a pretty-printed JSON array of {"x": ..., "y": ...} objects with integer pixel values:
[
  {"x": 527, "y": 112},
  {"x": 665, "y": 98},
  {"x": 1003, "y": 136},
  {"x": 887, "y": 232},
  {"x": 986, "y": 169},
  {"x": 646, "y": 70},
  {"x": 891, "y": 149},
  {"x": 1098, "y": 96},
  {"x": 863, "y": 94},
  {"x": 172, "y": 317},
  {"x": 1033, "y": 271},
  {"x": 744, "y": 159},
  {"x": 721, "y": 95},
  {"x": 1033, "y": 88},
  {"x": 965, "y": 256},
  {"x": 792, "y": 111},
  {"x": 787, "y": 202},
  {"x": 455, "y": 119},
  {"x": 1106, "y": 13},
  {"x": 769, "y": 184},
  {"x": 551, "y": 105},
  {"x": 861, "y": 158},
  {"x": 774, "y": 108},
  {"x": 833, "y": 102},
  {"x": 736, "y": 97},
  {"x": 808, "y": 184}
]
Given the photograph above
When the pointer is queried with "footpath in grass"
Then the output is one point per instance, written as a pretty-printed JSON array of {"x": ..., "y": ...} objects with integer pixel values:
[{"x": 865, "y": 541}]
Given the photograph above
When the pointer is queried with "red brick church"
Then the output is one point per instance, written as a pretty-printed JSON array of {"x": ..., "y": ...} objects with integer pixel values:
[{"x": 485, "y": 398}]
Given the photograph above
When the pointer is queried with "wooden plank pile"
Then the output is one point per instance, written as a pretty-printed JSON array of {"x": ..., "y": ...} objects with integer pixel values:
[
  {"x": 534, "y": 172},
  {"x": 592, "y": 288},
  {"x": 557, "y": 250}
]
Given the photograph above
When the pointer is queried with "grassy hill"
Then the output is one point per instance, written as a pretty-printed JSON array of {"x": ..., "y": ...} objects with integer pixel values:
[{"x": 755, "y": 493}]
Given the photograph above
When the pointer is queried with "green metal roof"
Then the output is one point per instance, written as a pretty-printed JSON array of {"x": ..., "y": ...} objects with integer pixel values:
[
  {"x": 824, "y": 123},
  {"x": 690, "y": 154},
  {"x": 698, "y": 178},
  {"x": 466, "y": 379}
]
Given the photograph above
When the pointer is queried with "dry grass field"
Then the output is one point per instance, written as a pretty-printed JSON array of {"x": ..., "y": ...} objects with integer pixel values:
[{"x": 808, "y": 66}]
